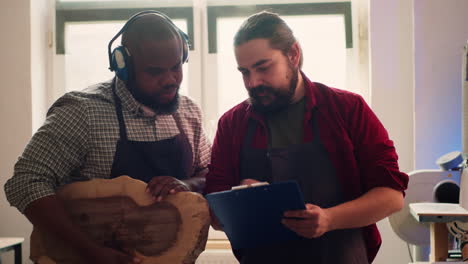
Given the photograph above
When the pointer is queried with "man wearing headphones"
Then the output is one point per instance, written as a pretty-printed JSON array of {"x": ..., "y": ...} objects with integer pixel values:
[{"x": 135, "y": 124}]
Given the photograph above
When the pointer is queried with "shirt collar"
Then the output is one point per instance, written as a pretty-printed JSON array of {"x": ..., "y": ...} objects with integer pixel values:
[{"x": 310, "y": 92}]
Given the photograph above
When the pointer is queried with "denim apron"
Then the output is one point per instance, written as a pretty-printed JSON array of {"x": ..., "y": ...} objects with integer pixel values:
[
  {"x": 144, "y": 160},
  {"x": 309, "y": 164}
]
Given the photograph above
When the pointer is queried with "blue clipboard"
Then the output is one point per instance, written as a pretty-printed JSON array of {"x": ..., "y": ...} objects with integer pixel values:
[{"x": 252, "y": 216}]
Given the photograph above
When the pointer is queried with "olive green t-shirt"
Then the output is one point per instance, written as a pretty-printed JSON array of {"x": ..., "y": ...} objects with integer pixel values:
[{"x": 286, "y": 126}]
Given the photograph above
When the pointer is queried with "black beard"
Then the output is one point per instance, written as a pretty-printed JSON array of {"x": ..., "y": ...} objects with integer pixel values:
[
  {"x": 151, "y": 101},
  {"x": 281, "y": 98}
]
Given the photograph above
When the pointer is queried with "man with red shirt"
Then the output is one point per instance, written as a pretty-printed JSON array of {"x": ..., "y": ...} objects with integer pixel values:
[{"x": 326, "y": 139}]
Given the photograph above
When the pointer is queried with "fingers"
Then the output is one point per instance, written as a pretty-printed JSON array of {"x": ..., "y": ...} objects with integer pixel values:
[
  {"x": 311, "y": 211},
  {"x": 299, "y": 225},
  {"x": 178, "y": 188},
  {"x": 305, "y": 228},
  {"x": 161, "y": 186},
  {"x": 248, "y": 182},
  {"x": 311, "y": 222}
]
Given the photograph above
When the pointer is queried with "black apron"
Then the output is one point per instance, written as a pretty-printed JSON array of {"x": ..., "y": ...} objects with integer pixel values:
[
  {"x": 144, "y": 160},
  {"x": 309, "y": 164}
]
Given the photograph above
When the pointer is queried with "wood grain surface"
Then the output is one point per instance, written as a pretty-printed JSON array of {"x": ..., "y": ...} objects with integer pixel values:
[{"x": 118, "y": 213}]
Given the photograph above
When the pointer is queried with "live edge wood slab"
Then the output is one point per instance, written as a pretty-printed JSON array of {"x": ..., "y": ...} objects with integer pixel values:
[{"x": 118, "y": 213}]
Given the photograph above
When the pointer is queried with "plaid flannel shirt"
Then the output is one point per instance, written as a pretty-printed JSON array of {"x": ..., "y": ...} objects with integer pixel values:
[{"x": 78, "y": 140}]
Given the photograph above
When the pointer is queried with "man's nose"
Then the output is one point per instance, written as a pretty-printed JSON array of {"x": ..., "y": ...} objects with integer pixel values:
[
  {"x": 254, "y": 81},
  {"x": 170, "y": 77}
]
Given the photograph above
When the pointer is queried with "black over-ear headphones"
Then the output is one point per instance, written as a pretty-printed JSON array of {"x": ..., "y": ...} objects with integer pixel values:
[{"x": 119, "y": 58}]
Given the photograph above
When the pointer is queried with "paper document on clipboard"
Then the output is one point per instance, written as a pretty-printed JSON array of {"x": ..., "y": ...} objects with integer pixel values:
[{"x": 252, "y": 216}]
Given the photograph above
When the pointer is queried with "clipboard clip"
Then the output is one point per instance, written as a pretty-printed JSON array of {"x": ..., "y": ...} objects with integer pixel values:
[{"x": 249, "y": 185}]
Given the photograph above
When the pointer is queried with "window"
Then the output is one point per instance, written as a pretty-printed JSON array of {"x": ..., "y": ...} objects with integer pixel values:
[
  {"x": 334, "y": 53},
  {"x": 83, "y": 31},
  {"x": 85, "y": 64},
  {"x": 324, "y": 30}
]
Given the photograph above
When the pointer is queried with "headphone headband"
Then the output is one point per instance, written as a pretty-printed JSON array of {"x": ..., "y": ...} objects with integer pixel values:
[{"x": 183, "y": 36}]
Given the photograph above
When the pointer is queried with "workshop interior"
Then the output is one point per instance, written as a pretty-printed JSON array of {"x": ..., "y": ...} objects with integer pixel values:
[{"x": 408, "y": 59}]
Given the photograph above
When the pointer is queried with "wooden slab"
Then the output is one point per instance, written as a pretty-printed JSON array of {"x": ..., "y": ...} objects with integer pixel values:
[{"x": 118, "y": 213}]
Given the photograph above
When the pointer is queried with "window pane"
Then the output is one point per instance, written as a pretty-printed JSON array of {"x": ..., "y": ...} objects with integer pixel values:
[
  {"x": 86, "y": 59},
  {"x": 323, "y": 42},
  {"x": 322, "y": 38}
]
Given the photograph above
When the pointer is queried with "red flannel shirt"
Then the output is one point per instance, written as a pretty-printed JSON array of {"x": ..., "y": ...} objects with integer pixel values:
[{"x": 358, "y": 144}]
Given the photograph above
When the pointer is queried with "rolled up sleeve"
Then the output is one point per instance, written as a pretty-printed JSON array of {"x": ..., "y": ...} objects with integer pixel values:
[
  {"x": 375, "y": 152},
  {"x": 55, "y": 151}
]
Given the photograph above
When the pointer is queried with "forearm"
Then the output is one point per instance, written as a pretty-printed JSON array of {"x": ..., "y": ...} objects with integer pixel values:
[
  {"x": 370, "y": 208},
  {"x": 49, "y": 215}
]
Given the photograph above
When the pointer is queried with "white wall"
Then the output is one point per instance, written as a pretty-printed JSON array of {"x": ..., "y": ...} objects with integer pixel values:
[
  {"x": 23, "y": 101},
  {"x": 40, "y": 67},
  {"x": 15, "y": 106},
  {"x": 441, "y": 32},
  {"x": 390, "y": 34},
  {"x": 416, "y": 49}
]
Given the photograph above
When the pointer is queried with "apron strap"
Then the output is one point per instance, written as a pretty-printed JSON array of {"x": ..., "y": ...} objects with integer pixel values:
[
  {"x": 118, "y": 110},
  {"x": 251, "y": 126},
  {"x": 187, "y": 155},
  {"x": 315, "y": 128},
  {"x": 179, "y": 125}
]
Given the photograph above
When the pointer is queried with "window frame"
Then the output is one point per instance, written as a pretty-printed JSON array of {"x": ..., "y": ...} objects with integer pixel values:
[
  {"x": 293, "y": 9},
  {"x": 88, "y": 12}
]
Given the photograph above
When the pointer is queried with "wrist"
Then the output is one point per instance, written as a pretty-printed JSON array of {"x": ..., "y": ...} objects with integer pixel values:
[
  {"x": 329, "y": 215},
  {"x": 195, "y": 184},
  {"x": 188, "y": 184}
]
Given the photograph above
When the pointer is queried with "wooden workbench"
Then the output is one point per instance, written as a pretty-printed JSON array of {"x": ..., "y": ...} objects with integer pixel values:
[{"x": 438, "y": 215}]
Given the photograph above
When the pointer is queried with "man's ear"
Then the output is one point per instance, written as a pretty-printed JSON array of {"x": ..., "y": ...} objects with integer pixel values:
[{"x": 294, "y": 54}]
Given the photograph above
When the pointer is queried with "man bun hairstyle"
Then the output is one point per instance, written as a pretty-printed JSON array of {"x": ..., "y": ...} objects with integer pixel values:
[{"x": 267, "y": 25}]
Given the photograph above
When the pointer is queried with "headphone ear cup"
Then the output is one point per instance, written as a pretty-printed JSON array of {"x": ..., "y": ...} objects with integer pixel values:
[{"x": 120, "y": 63}]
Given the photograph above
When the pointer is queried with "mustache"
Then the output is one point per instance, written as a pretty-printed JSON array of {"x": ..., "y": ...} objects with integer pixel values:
[
  {"x": 261, "y": 89},
  {"x": 170, "y": 87}
]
